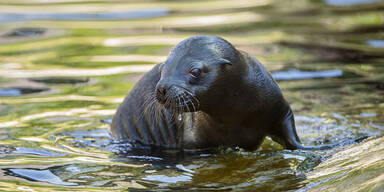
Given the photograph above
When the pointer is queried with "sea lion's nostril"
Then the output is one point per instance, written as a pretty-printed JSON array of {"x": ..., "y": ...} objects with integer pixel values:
[{"x": 162, "y": 91}]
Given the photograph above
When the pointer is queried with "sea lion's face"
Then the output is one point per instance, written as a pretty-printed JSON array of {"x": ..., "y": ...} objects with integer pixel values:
[{"x": 193, "y": 72}]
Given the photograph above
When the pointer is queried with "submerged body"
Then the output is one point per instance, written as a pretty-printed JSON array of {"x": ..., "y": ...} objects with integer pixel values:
[{"x": 206, "y": 94}]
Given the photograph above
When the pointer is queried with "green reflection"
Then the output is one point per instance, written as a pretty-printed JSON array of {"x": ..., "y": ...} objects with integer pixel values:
[{"x": 72, "y": 59}]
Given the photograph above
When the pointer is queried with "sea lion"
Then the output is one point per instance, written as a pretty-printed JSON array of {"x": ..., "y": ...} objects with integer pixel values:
[{"x": 207, "y": 94}]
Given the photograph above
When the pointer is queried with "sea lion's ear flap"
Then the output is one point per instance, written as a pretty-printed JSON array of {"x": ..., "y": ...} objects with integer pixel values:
[{"x": 224, "y": 62}]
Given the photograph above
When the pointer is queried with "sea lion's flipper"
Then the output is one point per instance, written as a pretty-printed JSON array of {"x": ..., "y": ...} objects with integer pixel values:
[{"x": 286, "y": 135}]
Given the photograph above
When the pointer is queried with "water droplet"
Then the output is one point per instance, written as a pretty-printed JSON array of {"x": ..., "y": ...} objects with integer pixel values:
[{"x": 179, "y": 117}]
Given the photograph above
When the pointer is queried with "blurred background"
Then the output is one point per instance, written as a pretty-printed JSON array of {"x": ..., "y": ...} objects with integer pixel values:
[{"x": 65, "y": 65}]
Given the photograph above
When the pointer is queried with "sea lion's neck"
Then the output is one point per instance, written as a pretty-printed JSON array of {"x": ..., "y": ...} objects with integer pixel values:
[
  {"x": 230, "y": 111},
  {"x": 229, "y": 107},
  {"x": 250, "y": 94}
]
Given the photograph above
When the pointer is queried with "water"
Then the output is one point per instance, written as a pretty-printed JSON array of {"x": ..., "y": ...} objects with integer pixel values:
[
  {"x": 65, "y": 66},
  {"x": 17, "y": 17},
  {"x": 294, "y": 74}
]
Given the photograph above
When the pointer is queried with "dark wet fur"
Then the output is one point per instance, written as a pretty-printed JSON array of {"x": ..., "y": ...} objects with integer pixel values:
[
  {"x": 235, "y": 103},
  {"x": 145, "y": 120}
]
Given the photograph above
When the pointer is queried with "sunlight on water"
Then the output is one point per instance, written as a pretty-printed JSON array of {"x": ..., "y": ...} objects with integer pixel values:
[
  {"x": 75, "y": 72},
  {"x": 128, "y": 58},
  {"x": 124, "y": 41},
  {"x": 45, "y": 176},
  {"x": 65, "y": 66}
]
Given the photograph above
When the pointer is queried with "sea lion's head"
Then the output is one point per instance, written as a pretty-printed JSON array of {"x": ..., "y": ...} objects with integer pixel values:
[{"x": 196, "y": 73}]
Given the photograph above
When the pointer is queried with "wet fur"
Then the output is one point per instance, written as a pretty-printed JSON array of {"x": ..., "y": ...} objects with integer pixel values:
[{"x": 235, "y": 103}]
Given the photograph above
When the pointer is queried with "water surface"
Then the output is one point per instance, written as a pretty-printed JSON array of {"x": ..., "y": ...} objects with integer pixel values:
[{"x": 66, "y": 65}]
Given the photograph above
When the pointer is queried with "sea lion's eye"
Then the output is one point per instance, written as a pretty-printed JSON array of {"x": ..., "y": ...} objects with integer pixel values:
[{"x": 195, "y": 72}]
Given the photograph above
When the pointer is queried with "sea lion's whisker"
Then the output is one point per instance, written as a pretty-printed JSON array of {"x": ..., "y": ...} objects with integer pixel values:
[
  {"x": 186, "y": 104},
  {"x": 146, "y": 105},
  {"x": 193, "y": 105},
  {"x": 179, "y": 105},
  {"x": 190, "y": 97},
  {"x": 194, "y": 100}
]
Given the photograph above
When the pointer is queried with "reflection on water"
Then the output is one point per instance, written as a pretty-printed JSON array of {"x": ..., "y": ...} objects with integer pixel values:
[
  {"x": 10, "y": 92},
  {"x": 297, "y": 74},
  {"x": 349, "y": 2},
  {"x": 20, "y": 91},
  {"x": 66, "y": 65},
  {"x": 39, "y": 175},
  {"x": 376, "y": 43},
  {"x": 17, "y": 17},
  {"x": 167, "y": 179},
  {"x": 24, "y": 150}
]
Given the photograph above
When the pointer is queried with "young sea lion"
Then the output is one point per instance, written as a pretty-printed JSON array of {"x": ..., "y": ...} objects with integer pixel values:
[{"x": 207, "y": 94}]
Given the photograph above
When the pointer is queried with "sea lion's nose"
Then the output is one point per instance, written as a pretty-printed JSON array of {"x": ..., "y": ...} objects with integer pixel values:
[{"x": 161, "y": 92}]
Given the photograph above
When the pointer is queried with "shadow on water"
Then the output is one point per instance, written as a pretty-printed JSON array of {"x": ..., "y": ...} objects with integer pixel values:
[
  {"x": 62, "y": 80},
  {"x": 26, "y": 32},
  {"x": 65, "y": 67}
]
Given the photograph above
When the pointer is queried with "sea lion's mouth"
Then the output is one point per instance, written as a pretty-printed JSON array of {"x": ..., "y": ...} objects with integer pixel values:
[{"x": 179, "y": 99}]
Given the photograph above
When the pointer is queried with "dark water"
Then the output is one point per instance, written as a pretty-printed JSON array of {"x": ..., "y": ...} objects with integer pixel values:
[{"x": 66, "y": 65}]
